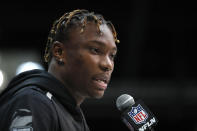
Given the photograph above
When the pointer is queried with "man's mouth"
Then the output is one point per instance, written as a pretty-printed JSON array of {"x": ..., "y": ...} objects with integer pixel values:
[{"x": 101, "y": 81}]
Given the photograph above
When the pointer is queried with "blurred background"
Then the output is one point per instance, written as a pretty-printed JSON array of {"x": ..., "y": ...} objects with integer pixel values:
[{"x": 156, "y": 60}]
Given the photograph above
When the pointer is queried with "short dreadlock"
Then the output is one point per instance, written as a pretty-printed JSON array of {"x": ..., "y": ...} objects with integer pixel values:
[{"x": 59, "y": 31}]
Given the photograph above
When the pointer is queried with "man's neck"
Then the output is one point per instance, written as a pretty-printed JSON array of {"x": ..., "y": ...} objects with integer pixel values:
[{"x": 76, "y": 95}]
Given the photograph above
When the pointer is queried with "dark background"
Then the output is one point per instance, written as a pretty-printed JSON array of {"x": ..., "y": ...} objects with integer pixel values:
[{"x": 156, "y": 60}]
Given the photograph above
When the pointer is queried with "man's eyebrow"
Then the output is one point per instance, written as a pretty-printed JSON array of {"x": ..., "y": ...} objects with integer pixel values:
[{"x": 101, "y": 44}]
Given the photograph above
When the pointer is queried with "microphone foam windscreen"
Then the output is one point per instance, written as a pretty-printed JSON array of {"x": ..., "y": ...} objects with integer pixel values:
[{"x": 124, "y": 101}]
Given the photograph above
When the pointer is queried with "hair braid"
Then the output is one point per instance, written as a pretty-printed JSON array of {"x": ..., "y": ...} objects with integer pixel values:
[{"x": 59, "y": 30}]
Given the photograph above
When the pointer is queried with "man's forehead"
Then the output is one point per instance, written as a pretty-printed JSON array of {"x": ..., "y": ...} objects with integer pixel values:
[
  {"x": 100, "y": 43},
  {"x": 91, "y": 32}
]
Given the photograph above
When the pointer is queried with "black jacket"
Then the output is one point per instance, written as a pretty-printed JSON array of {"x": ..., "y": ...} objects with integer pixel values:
[{"x": 37, "y": 101}]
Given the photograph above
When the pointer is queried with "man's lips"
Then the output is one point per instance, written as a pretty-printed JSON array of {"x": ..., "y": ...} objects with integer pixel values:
[
  {"x": 101, "y": 80},
  {"x": 100, "y": 84}
]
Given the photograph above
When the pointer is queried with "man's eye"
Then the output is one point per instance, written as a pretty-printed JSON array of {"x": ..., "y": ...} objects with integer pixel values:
[
  {"x": 113, "y": 56},
  {"x": 95, "y": 50}
]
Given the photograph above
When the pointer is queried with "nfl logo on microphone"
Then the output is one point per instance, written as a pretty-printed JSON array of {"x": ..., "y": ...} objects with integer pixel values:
[{"x": 138, "y": 114}]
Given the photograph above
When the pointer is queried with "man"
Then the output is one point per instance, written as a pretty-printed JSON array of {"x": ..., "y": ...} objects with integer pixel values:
[{"x": 80, "y": 53}]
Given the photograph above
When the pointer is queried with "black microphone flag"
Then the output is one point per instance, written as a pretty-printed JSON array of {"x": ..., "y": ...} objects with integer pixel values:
[{"x": 137, "y": 115}]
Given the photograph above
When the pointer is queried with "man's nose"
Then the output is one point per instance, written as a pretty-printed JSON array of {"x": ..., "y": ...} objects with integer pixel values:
[{"x": 106, "y": 64}]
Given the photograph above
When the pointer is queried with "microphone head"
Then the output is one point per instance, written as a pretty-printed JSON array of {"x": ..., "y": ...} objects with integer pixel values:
[{"x": 124, "y": 101}]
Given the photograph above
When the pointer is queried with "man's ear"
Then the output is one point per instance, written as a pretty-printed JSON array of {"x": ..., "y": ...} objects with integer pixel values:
[{"x": 58, "y": 51}]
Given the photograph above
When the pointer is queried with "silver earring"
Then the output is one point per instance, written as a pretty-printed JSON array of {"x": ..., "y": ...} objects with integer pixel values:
[{"x": 60, "y": 61}]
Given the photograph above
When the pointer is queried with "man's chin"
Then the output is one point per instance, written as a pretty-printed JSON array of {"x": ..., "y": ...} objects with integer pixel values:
[{"x": 98, "y": 95}]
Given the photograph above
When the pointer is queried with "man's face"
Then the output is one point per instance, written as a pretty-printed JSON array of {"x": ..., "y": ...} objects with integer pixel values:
[{"x": 89, "y": 60}]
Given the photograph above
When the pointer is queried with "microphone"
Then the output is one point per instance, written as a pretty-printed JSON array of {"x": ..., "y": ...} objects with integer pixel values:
[{"x": 135, "y": 115}]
